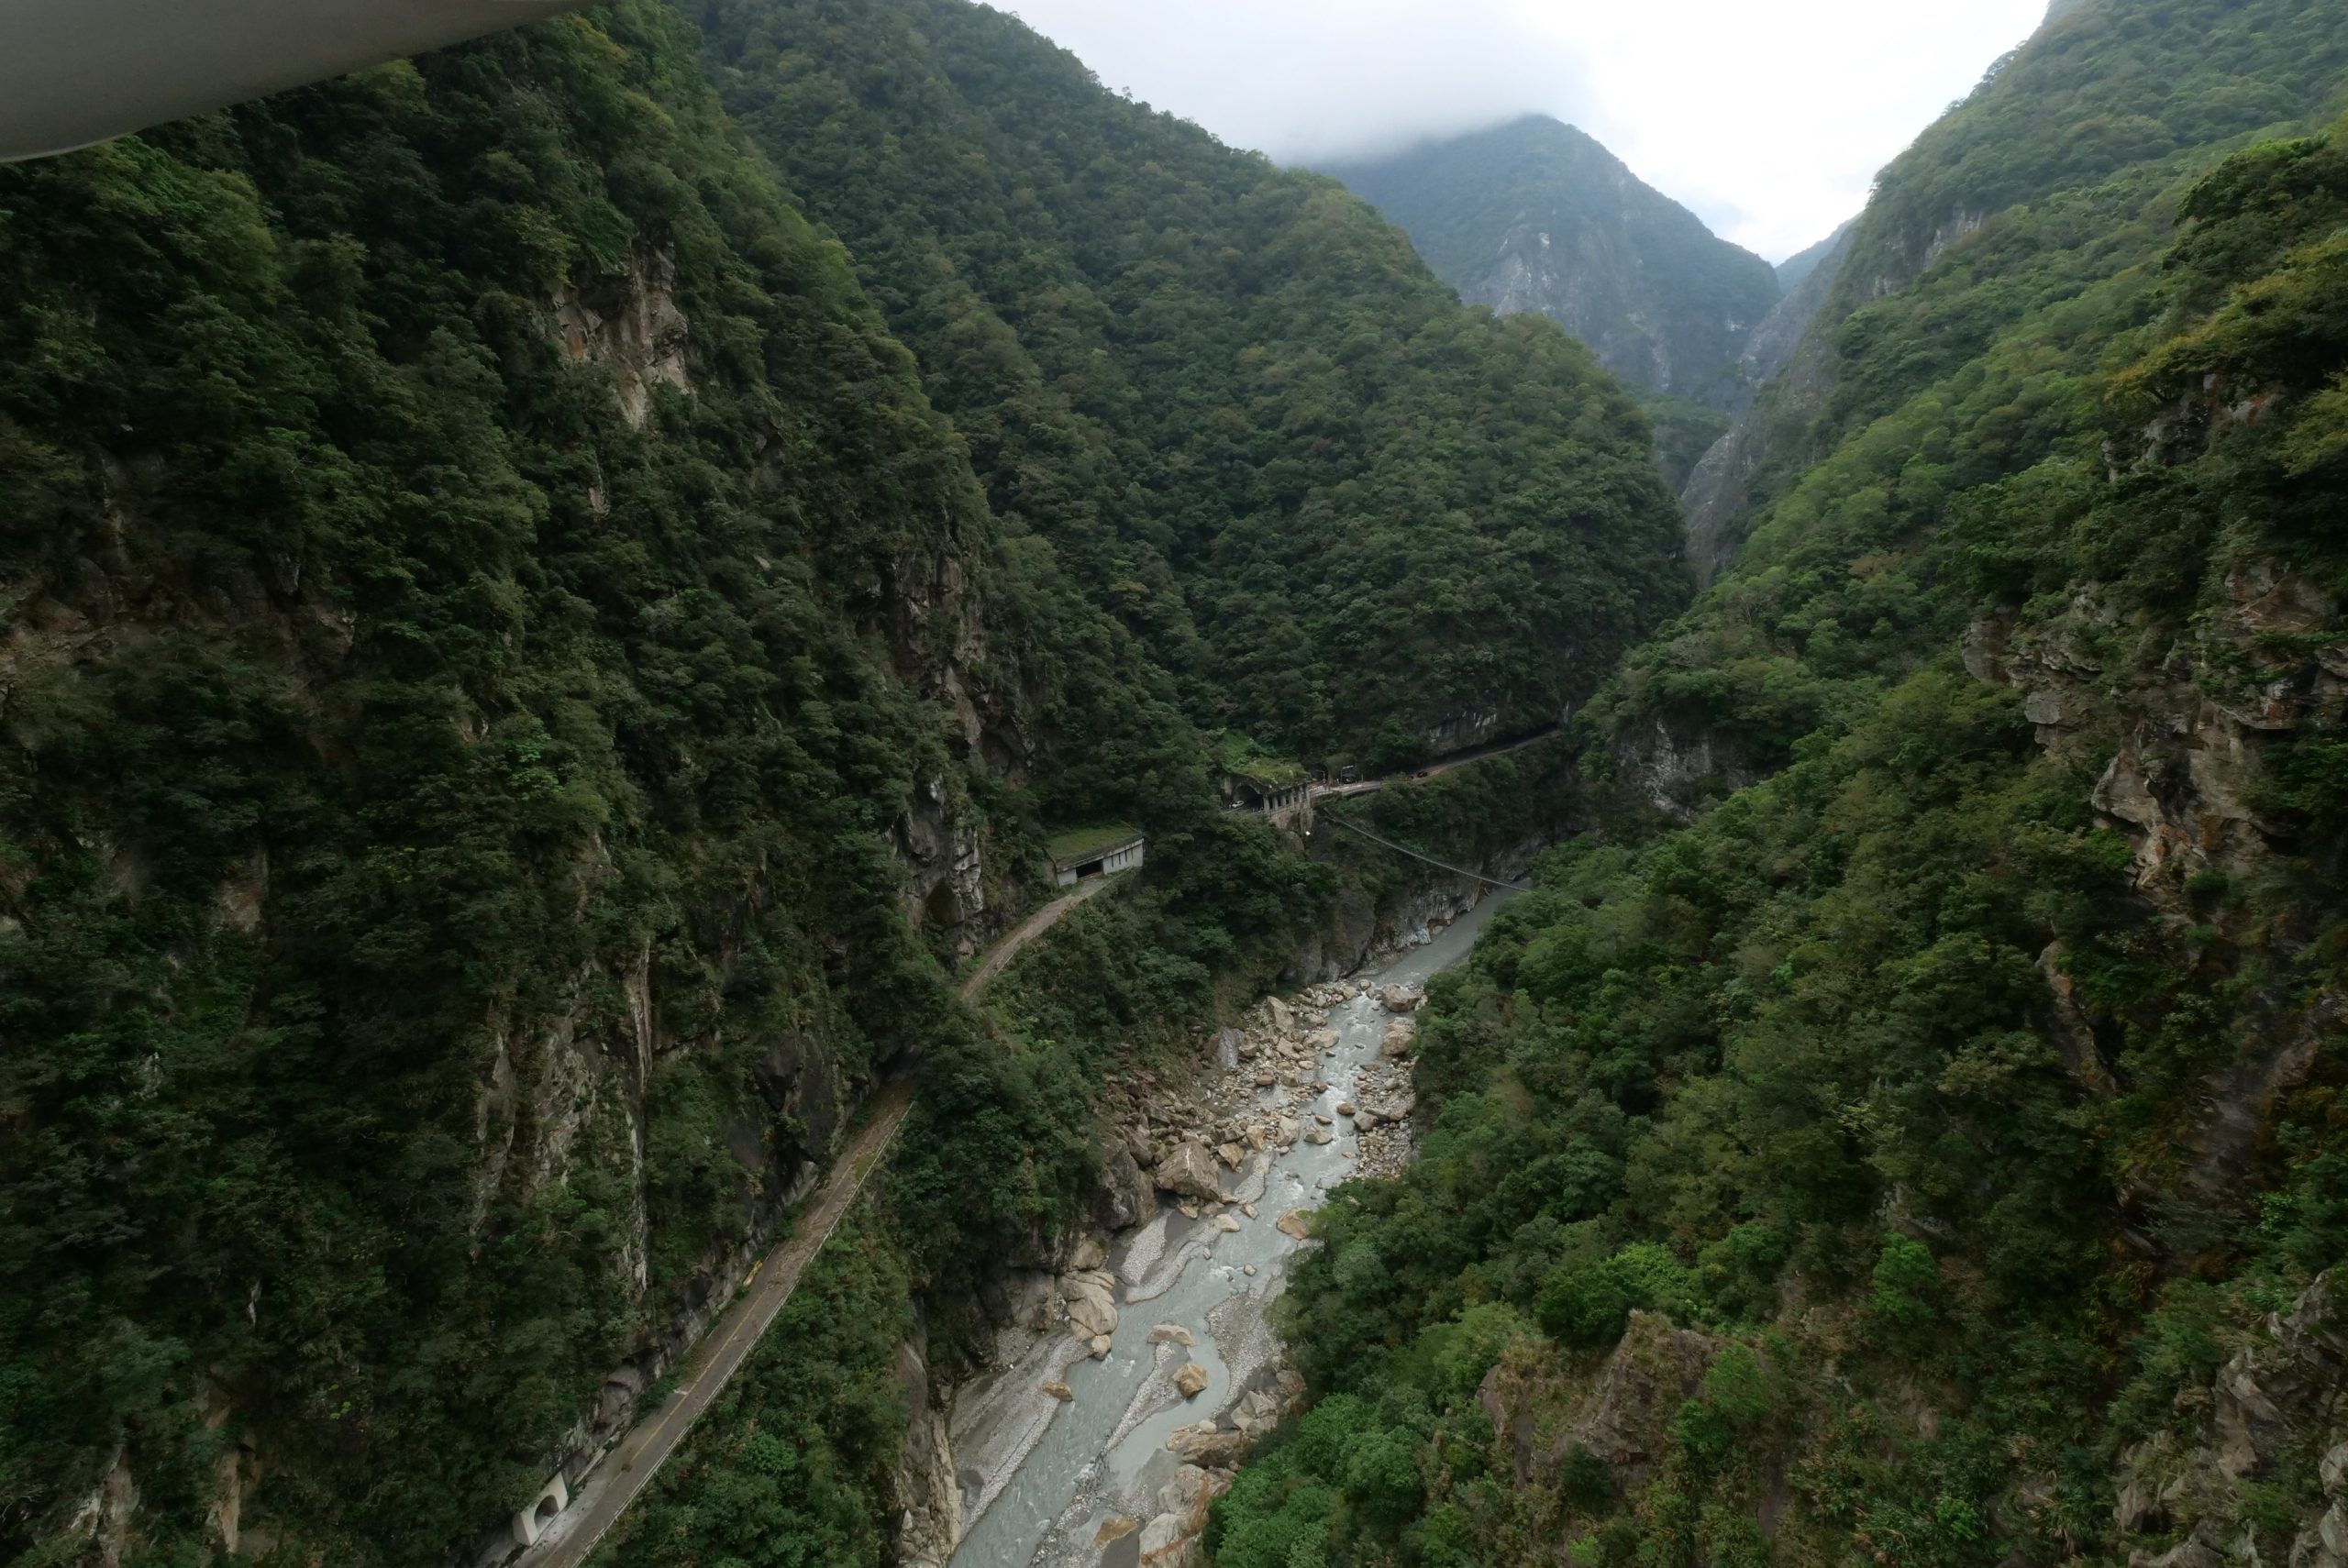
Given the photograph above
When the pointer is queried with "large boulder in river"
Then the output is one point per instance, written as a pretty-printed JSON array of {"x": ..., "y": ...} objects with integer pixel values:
[
  {"x": 1169, "y": 1541},
  {"x": 1190, "y": 1379},
  {"x": 1126, "y": 1198},
  {"x": 1402, "y": 1037},
  {"x": 1401, "y": 999},
  {"x": 1208, "y": 1446},
  {"x": 1189, "y": 1170},
  {"x": 1092, "y": 1302}
]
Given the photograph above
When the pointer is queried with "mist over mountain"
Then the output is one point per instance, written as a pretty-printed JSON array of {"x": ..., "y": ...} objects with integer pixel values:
[
  {"x": 1795, "y": 268},
  {"x": 1534, "y": 217}
]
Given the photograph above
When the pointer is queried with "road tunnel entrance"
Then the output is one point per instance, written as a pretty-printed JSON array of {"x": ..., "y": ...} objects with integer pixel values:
[{"x": 531, "y": 1523}]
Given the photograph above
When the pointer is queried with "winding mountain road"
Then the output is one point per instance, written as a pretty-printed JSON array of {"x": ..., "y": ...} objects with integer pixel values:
[
  {"x": 624, "y": 1471},
  {"x": 999, "y": 956},
  {"x": 621, "y": 1475}
]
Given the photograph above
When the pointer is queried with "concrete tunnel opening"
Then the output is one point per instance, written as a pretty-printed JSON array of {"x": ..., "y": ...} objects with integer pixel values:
[{"x": 531, "y": 1523}]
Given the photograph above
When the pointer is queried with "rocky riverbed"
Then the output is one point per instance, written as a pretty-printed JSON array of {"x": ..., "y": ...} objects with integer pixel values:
[{"x": 1126, "y": 1382}]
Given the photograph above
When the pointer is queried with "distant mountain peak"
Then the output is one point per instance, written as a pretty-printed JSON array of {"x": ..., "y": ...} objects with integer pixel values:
[{"x": 1534, "y": 214}]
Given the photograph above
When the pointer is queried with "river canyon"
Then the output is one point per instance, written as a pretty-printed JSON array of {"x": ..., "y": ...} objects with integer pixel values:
[{"x": 1071, "y": 1454}]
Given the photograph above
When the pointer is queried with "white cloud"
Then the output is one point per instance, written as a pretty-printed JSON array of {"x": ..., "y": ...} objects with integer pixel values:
[{"x": 1770, "y": 120}]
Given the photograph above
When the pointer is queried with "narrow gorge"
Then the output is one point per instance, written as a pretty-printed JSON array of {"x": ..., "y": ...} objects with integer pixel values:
[
  {"x": 1124, "y": 1389},
  {"x": 732, "y": 739}
]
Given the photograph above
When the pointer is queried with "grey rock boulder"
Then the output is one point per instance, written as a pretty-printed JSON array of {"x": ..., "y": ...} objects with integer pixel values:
[{"x": 1191, "y": 1170}]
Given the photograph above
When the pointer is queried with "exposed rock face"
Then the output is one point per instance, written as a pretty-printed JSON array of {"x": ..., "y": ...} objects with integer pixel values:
[
  {"x": 1126, "y": 1195},
  {"x": 1773, "y": 344},
  {"x": 1773, "y": 437},
  {"x": 1536, "y": 216},
  {"x": 2278, "y": 1406},
  {"x": 1458, "y": 731},
  {"x": 628, "y": 321},
  {"x": 2185, "y": 723},
  {"x": 929, "y": 1499},
  {"x": 1680, "y": 773},
  {"x": 2271, "y": 1393},
  {"x": 1624, "y": 1416}
]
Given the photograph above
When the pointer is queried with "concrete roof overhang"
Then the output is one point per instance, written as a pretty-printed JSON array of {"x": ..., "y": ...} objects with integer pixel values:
[{"x": 77, "y": 72}]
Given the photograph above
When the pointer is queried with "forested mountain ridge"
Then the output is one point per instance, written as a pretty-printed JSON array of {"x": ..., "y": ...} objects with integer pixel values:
[
  {"x": 1536, "y": 216},
  {"x": 1910, "y": 1130},
  {"x": 2067, "y": 148},
  {"x": 1229, "y": 397},
  {"x": 502, "y": 667}
]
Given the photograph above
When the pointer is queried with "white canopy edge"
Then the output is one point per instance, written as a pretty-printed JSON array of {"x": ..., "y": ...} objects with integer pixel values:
[{"x": 77, "y": 72}]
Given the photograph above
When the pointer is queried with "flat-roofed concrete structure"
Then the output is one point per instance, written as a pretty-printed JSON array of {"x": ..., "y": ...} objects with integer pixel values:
[
  {"x": 1285, "y": 800},
  {"x": 1079, "y": 857},
  {"x": 78, "y": 71}
]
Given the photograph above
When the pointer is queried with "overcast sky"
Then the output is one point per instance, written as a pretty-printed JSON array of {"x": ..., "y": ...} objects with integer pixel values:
[{"x": 1769, "y": 117}]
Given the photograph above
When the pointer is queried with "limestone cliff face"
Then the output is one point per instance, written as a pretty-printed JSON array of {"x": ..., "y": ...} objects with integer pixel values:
[
  {"x": 571, "y": 1080},
  {"x": 1534, "y": 217},
  {"x": 2187, "y": 717},
  {"x": 1788, "y": 375},
  {"x": 2277, "y": 1408},
  {"x": 1774, "y": 343},
  {"x": 1621, "y": 1412}
]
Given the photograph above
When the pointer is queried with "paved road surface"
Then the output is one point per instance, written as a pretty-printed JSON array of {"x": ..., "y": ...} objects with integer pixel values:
[
  {"x": 999, "y": 956},
  {"x": 622, "y": 1474}
]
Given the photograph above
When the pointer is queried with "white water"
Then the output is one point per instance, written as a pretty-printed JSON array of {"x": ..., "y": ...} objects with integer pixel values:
[{"x": 1103, "y": 1455}]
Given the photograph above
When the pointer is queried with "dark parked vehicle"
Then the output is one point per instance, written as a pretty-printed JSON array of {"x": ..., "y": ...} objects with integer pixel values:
[{"x": 1348, "y": 776}]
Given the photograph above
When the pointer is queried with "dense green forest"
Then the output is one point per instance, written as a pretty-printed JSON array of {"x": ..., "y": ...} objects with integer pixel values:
[
  {"x": 1342, "y": 511},
  {"x": 556, "y": 591},
  {"x": 2070, "y": 153},
  {"x": 456, "y": 758},
  {"x": 1872, "y": 1144},
  {"x": 522, "y": 688},
  {"x": 1536, "y": 216}
]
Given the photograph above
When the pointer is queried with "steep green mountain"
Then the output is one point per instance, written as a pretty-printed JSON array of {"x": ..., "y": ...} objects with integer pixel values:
[
  {"x": 518, "y": 695},
  {"x": 1535, "y": 217},
  {"x": 503, "y": 669},
  {"x": 2052, "y": 125},
  {"x": 1908, "y": 1129},
  {"x": 1342, "y": 510}
]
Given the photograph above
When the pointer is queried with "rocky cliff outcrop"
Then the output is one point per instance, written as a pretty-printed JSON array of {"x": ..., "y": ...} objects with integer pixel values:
[
  {"x": 2268, "y": 1457},
  {"x": 1620, "y": 1413},
  {"x": 2186, "y": 719}
]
